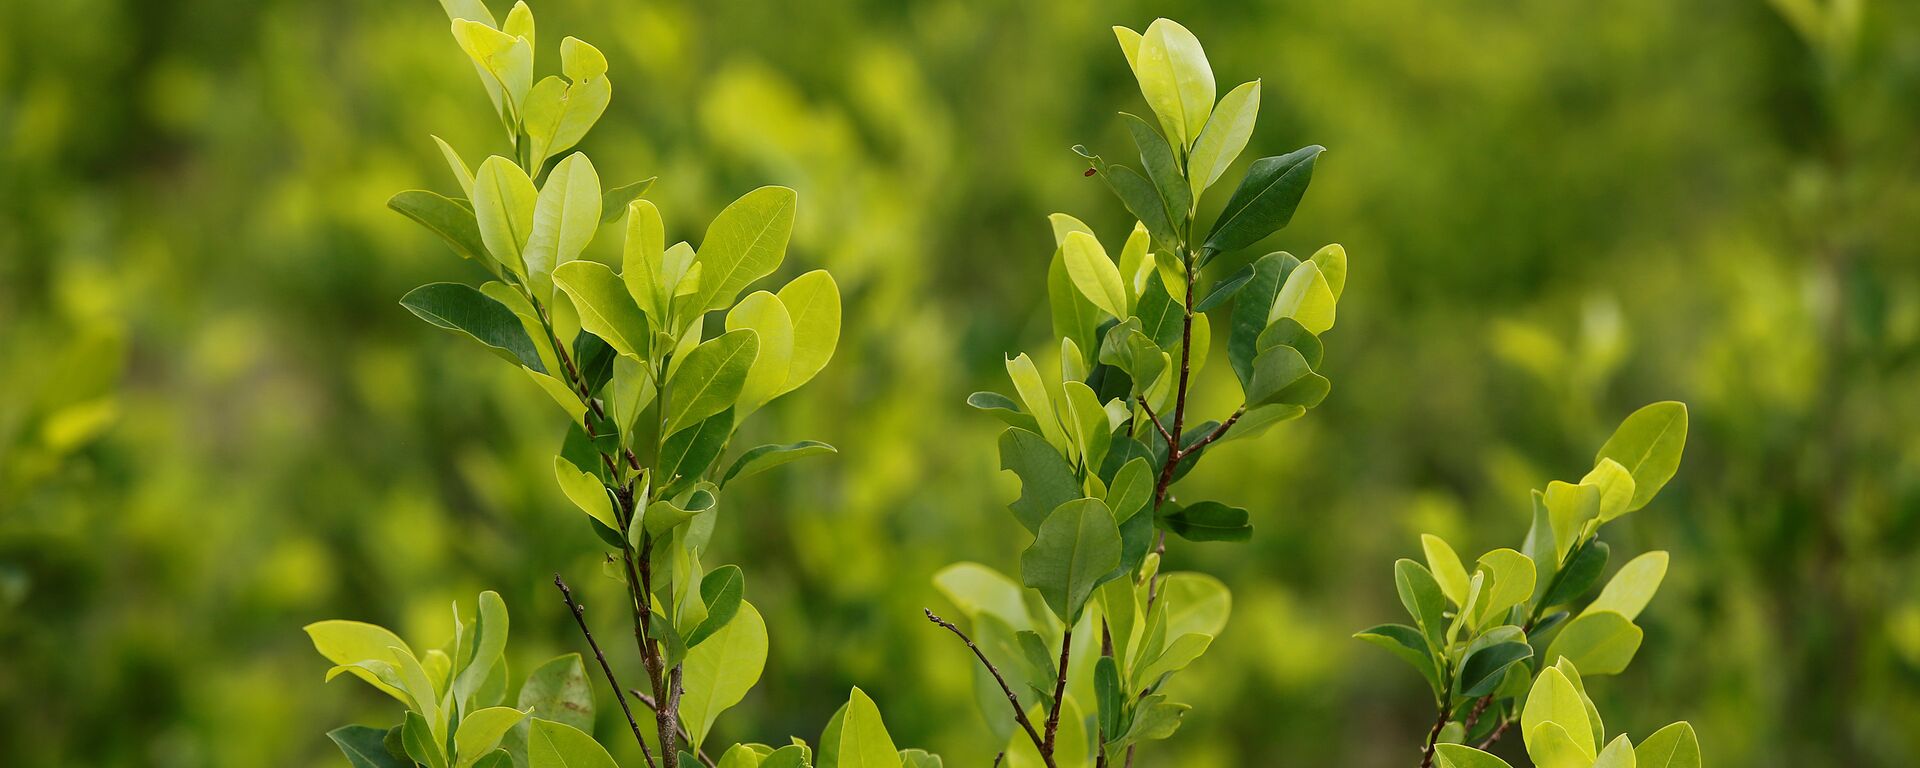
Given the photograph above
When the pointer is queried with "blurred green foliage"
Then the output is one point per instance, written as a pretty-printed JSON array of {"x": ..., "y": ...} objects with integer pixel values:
[{"x": 218, "y": 425}]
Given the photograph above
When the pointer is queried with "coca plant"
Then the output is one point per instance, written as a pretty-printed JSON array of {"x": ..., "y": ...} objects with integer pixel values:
[
  {"x": 1512, "y": 641},
  {"x": 652, "y": 397},
  {"x": 1075, "y": 655}
]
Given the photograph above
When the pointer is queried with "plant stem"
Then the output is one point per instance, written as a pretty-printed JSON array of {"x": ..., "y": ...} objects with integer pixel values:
[
  {"x": 1433, "y": 738},
  {"x": 1013, "y": 699},
  {"x": 580, "y": 617},
  {"x": 1059, "y": 694},
  {"x": 698, "y": 753}
]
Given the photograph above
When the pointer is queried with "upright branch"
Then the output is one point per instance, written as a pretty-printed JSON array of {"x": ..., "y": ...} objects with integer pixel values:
[
  {"x": 580, "y": 617},
  {"x": 1059, "y": 695}
]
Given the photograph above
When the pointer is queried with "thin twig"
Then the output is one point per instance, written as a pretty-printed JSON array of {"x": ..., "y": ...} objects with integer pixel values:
[
  {"x": 1487, "y": 743},
  {"x": 684, "y": 733},
  {"x": 580, "y": 617},
  {"x": 1059, "y": 694},
  {"x": 1013, "y": 699},
  {"x": 1217, "y": 433},
  {"x": 1173, "y": 446}
]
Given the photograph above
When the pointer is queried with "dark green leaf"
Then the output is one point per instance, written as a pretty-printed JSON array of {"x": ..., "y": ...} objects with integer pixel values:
[
  {"x": 1406, "y": 643},
  {"x": 1225, "y": 289},
  {"x": 1110, "y": 697},
  {"x": 1157, "y": 157},
  {"x": 1265, "y": 200},
  {"x": 687, "y": 453},
  {"x": 1139, "y": 196},
  {"x": 445, "y": 217},
  {"x": 364, "y": 746},
  {"x": 721, "y": 590},
  {"x": 463, "y": 309},
  {"x": 1076, "y": 547},
  {"x": 1482, "y": 670},
  {"x": 1004, "y": 409},
  {"x": 1274, "y": 370},
  {"x": 1582, "y": 573},
  {"x": 1206, "y": 521},
  {"x": 1250, "y": 310},
  {"x": 765, "y": 457},
  {"x": 1046, "y": 480}
]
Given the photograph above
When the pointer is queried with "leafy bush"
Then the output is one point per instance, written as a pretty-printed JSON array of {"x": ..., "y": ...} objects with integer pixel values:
[{"x": 653, "y": 403}]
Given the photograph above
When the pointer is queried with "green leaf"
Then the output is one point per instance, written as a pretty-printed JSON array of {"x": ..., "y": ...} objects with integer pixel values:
[
  {"x": 1225, "y": 289},
  {"x": 1580, "y": 576},
  {"x": 1446, "y": 568},
  {"x": 1075, "y": 547},
  {"x": 1274, "y": 371},
  {"x": 1674, "y": 746},
  {"x": 560, "y": 691},
  {"x": 566, "y": 213},
  {"x": 1139, "y": 196},
  {"x": 1074, "y": 317},
  {"x": 1131, "y": 490},
  {"x": 505, "y": 60},
  {"x": 863, "y": 739},
  {"x": 460, "y": 173},
  {"x": 919, "y": 758},
  {"x": 1555, "y": 701},
  {"x": 444, "y": 217},
  {"x": 1570, "y": 506},
  {"x": 1513, "y": 581},
  {"x": 1307, "y": 299},
  {"x": 812, "y": 301},
  {"x": 721, "y": 670},
  {"x": 1597, "y": 642},
  {"x": 1094, "y": 274},
  {"x": 1046, "y": 479},
  {"x": 348, "y": 642},
  {"x": 710, "y": 378},
  {"x": 1483, "y": 669},
  {"x": 1034, "y": 392},
  {"x": 480, "y": 731},
  {"x": 765, "y": 315},
  {"x": 1087, "y": 419},
  {"x": 1226, "y": 134},
  {"x": 1618, "y": 754},
  {"x": 1004, "y": 409},
  {"x": 1163, "y": 169},
  {"x": 490, "y": 642},
  {"x": 686, "y": 454},
  {"x": 558, "y": 116},
  {"x": 364, "y": 746},
  {"x": 462, "y": 309},
  {"x": 1649, "y": 444},
  {"x": 1265, "y": 200},
  {"x": 743, "y": 244},
  {"x": 420, "y": 743},
  {"x": 1332, "y": 261},
  {"x": 765, "y": 457},
  {"x": 1175, "y": 78},
  {"x": 720, "y": 590},
  {"x": 1206, "y": 521},
  {"x": 558, "y": 745},
  {"x": 1422, "y": 597},
  {"x": 1616, "y": 488},
  {"x": 606, "y": 309},
  {"x": 1462, "y": 756},
  {"x": 614, "y": 202},
  {"x": 503, "y": 202},
  {"x": 1195, "y": 602},
  {"x": 585, "y": 491},
  {"x": 1251, "y": 309},
  {"x": 1175, "y": 657},
  {"x": 1632, "y": 587},
  {"x": 1409, "y": 645}
]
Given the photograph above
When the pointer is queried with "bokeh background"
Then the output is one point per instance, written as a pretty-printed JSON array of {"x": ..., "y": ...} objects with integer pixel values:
[{"x": 218, "y": 425}]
